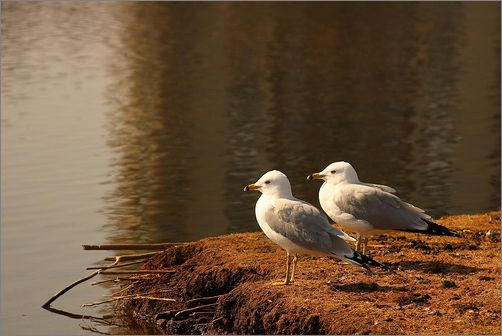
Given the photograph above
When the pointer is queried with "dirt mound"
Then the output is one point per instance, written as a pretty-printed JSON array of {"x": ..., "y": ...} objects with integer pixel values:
[{"x": 224, "y": 285}]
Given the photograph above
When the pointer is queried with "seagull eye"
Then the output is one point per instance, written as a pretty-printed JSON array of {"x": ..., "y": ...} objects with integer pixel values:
[
  {"x": 267, "y": 182},
  {"x": 333, "y": 171}
]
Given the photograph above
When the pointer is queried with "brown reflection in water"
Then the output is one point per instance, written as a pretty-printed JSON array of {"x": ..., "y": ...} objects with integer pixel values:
[{"x": 212, "y": 95}]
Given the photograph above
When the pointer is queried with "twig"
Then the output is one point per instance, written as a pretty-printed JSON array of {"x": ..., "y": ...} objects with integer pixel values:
[
  {"x": 138, "y": 247},
  {"x": 153, "y": 298},
  {"x": 94, "y": 283},
  {"x": 116, "y": 266},
  {"x": 217, "y": 319},
  {"x": 106, "y": 301},
  {"x": 204, "y": 313},
  {"x": 191, "y": 310},
  {"x": 118, "y": 279},
  {"x": 132, "y": 297},
  {"x": 67, "y": 288},
  {"x": 129, "y": 278},
  {"x": 122, "y": 290},
  {"x": 203, "y": 299},
  {"x": 137, "y": 272},
  {"x": 133, "y": 256}
]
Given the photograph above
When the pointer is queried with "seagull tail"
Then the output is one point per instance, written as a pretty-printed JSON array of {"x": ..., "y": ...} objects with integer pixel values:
[
  {"x": 435, "y": 229},
  {"x": 361, "y": 260}
]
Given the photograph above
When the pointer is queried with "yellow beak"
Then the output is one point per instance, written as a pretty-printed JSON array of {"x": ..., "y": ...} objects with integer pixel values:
[
  {"x": 251, "y": 187},
  {"x": 315, "y": 176}
]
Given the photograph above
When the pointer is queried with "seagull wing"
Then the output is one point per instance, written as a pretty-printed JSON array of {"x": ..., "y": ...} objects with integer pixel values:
[
  {"x": 381, "y": 187},
  {"x": 304, "y": 225},
  {"x": 380, "y": 209}
]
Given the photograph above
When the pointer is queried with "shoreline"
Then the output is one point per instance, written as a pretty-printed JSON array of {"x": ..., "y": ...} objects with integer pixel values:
[{"x": 223, "y": 285}]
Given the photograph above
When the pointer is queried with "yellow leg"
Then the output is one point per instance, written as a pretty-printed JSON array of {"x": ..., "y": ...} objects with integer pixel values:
[
  {"x": 358, "y": 242},
  {"x": 286, "y": 280},
  {"x": 295, "y": 260},
  {"x": 366, "y": 251}
]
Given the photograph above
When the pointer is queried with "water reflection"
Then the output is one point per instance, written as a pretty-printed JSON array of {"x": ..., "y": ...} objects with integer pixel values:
[
  {"x": 209, "y": 96},
  {"x": 196, "y": 100}
]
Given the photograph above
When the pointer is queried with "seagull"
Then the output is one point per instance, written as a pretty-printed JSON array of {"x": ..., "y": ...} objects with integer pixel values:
[
  {"x": 299, "y": 227},
  {"x": 367, "y": 208}
]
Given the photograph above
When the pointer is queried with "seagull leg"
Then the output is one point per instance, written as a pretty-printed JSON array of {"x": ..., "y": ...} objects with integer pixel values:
[
  {"x": 286, "y": 281},
  {"x": 295, "y": 260},
  {"x": 358, "y": 242},
  {"x": 366, "y": 251}
]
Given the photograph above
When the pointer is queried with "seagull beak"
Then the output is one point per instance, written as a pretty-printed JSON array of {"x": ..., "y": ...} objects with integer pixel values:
[
  {"x": 251, "y": 187},
  {"x": 315, "y": 176}
]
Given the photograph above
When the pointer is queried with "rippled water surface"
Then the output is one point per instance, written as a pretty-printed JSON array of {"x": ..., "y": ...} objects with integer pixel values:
[{"x": 141, "y": 122}]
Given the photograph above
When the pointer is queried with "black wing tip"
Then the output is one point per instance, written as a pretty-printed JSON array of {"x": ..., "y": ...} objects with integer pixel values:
[
  {"x": 436, "y": 230},
  {"x": 439, "y": 230},
  {"x": 364, "y": 261}
]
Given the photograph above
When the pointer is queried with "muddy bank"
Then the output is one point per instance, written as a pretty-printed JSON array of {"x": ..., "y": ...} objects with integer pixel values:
[{"x": 442, "y": 285}]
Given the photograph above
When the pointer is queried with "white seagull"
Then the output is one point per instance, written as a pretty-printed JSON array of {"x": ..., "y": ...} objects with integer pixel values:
[
  {"x": 299, "y": 227},
  {"x": 367, "y": 208}
]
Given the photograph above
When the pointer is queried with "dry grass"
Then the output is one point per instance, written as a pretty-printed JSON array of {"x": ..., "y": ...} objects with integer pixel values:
[{"x": 442, "y": 285}]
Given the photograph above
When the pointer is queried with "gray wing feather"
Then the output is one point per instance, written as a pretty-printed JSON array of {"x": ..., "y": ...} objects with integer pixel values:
[
  {"x": 305, "y": 226},
  {"x": 382, "y": 210},
  {"x": 381, "y": 187}
]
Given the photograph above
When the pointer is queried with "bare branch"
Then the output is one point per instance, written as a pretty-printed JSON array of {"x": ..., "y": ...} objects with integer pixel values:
[
  {"x": 191, "y": 310},
  {"x": 133, "y": 256},
  {"x": 137, "y": 272},
  {"x": 67, "y": 288},
  {"x": 138, "y": 247},
  {"x": 131, "y": 297},
  {"x": 203, "y": 299},
  {"x": 116, "y": 266}
]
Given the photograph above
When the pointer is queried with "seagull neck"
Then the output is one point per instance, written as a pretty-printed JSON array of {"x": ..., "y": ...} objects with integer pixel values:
[
  {"x": 341, "y": 182},
  {"x": 277, "y": 194}
]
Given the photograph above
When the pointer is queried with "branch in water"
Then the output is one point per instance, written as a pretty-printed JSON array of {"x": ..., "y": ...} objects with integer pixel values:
[{"x": 67, "y": 288}]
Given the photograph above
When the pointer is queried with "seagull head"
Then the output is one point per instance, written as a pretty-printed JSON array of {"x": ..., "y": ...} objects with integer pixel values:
[
  {"x": 336, "y": 172},
  {"x": 272, "y": 183}
]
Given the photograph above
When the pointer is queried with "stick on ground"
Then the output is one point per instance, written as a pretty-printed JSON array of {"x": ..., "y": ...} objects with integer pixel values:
[
  {"x": 191, "y": 310},
  {"x": 137, "y": 272},
  {"x": 116, "y": 266},
  {"x": 130, "y": 297},
  {"x": 108, "y": 247},
  {"x": 133, "y": 256}
]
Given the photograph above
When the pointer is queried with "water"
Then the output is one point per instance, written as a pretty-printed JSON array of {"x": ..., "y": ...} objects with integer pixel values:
[{"x": 141, "y": 122}]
